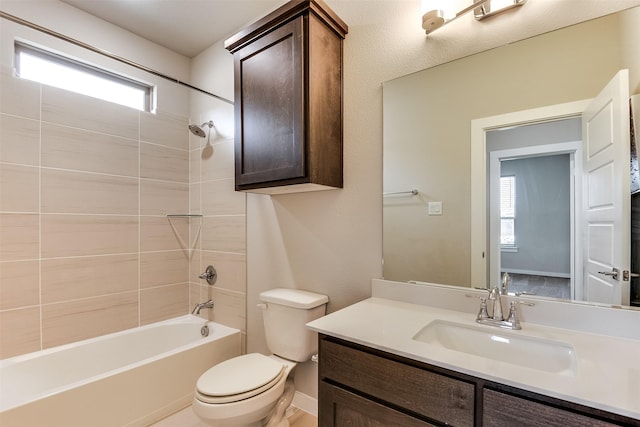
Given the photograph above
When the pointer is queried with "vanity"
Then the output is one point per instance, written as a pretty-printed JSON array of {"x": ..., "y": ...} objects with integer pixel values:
[{"x": 413, "y": 355}]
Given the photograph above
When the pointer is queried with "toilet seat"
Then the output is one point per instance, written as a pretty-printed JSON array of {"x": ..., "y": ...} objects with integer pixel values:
[{"x": 239, "y": 378}]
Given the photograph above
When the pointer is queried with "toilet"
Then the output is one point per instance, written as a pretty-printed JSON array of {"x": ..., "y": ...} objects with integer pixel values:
[{"x": 253, "y": 389}]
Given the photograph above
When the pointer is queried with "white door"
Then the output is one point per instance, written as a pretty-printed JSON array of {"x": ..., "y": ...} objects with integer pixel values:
[{"x": 606, "y": 197}]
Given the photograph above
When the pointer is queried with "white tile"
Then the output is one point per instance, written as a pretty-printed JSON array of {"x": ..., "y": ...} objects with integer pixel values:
[
  {"x": 165, "y": 163},
  {"x": 165, "y": 129},
  {"x": 70, "y": 148},
  {"x": 224, "y": 234},
  {"x": 79, "y": 235},
  {"x": 220, "y": 198},
  {"x": 20, "y": 97},
  {"x": 220, "y": 164},
  {"x": 19, "y": 140},
  {"x": 84, "y": 112},
  {"x": 163, "y": 197},
  {"x": 88, "y": 193},
  {"x": 19, "y": 188}
]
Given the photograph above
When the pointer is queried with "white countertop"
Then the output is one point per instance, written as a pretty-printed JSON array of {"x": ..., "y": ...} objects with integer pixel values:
[{"x": 608, "y": 368}]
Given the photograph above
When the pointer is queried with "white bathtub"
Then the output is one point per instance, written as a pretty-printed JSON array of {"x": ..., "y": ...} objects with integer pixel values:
[{"x": 129, "y": 378}]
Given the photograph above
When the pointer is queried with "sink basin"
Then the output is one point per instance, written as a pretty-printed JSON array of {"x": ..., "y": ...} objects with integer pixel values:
[{"x": 510, "y": 347}]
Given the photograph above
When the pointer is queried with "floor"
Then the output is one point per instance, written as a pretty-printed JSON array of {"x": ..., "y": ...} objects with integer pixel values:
[
  {"x": 186, "y": 418},
  {"x": 554, "y": 287}
]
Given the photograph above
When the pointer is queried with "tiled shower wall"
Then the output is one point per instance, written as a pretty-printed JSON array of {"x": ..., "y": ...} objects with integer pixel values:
[
  {"x": 85, "y": 245},
  {"x": 222, "y": 237}
]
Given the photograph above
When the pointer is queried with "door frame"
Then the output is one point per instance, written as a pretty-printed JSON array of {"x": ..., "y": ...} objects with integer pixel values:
[
  {"x": 479, "y": 202},
  {"x": 574, "y": 149}
]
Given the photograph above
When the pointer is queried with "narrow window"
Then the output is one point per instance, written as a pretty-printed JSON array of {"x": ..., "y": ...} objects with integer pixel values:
[
  {"x": 507, "y": 211},
  {"x": 55, "y": 70}
]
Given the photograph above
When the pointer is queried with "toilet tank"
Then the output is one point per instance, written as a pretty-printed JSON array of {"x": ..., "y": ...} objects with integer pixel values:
[{"x": 285, "y": 313}]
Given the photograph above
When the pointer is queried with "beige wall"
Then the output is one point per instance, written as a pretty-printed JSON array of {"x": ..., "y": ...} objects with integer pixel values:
[{"x": 631, "y": 48}]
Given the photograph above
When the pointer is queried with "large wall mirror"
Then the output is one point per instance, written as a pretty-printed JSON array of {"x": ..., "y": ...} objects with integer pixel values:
[{"x": 428, "y": 186}]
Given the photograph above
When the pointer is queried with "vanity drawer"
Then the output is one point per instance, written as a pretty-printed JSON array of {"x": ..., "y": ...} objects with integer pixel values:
[
  {"x": 343, "y": 408},
  {"x": 500, "y": 409},
  {"x": 428, "y": 394}
]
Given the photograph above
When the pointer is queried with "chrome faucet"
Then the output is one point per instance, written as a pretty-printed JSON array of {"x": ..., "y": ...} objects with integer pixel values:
[
  {"x": 200, "y": 306},
  {"x": 505, "y": 283},
  {"x": 497, "y": 318},
  {"x": 495, "y": 296}
]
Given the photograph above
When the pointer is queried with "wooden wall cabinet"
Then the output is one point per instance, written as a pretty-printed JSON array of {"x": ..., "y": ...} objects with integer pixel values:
[
  {"x": 361, "y": 386},
  {"x": 288, "y": 100}
]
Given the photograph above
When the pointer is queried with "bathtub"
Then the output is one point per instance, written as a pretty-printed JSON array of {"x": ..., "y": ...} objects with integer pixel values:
[{"x": 129, "y": 378}]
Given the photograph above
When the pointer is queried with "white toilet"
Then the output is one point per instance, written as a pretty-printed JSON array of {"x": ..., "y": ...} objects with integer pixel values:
[{"x": 254, "y": 389}]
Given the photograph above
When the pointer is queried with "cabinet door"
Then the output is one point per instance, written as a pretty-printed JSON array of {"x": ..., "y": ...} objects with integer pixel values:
[
  {"x": 269, "y": 81},
  {"x": 500, "y": 409},
  {"x": 340, "y": 408},
  {"x": 420, "y": 391}
]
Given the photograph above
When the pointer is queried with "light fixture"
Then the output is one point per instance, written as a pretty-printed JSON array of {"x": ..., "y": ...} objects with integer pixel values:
[{"x": 436, "y": 18}]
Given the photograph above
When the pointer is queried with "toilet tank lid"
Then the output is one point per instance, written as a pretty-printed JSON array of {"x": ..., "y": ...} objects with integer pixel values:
[{"x": 294, "y": 298}]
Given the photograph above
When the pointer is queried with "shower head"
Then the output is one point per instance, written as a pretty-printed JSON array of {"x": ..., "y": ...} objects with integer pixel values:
[{"x": 198, "y": 130}]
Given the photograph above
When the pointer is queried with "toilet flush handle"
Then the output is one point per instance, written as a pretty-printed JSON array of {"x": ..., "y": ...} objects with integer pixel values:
[{"x": 262, "y": 306}]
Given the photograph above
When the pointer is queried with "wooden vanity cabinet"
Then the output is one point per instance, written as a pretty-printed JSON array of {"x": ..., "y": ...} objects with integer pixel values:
[
  {"x": 288, "y": 100},
  {"x": 345, "y": 408},
  {"x": 502, "y": 409},
  {"x": 376, "y": 388},
  {"x": 365, "y": 387}
]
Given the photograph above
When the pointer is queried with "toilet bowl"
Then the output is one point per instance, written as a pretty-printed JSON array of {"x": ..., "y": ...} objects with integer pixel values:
[
  {"x": 242, "y": 391},
  {"x": 254, "y": 389}
]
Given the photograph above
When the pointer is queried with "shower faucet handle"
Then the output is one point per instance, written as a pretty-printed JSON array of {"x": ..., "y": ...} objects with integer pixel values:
[{"x": 210, "y": 275}]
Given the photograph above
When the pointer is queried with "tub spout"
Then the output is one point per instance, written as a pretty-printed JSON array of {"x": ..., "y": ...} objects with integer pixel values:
[{"x": 200, "y": 306}]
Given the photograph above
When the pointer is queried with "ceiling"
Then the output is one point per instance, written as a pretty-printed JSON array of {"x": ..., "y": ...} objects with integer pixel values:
[{"x": 185, "y": 26}]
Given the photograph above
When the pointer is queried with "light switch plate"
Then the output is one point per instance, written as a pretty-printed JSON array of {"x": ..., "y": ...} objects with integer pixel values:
[{"x": 435, "y": 208}]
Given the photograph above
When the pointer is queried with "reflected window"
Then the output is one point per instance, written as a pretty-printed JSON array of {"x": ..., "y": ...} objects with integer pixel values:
[
  {"x": 507, "y": 211},
  {"x": 55, "y": 70}
]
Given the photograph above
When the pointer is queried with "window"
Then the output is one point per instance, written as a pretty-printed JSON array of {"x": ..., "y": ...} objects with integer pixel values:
[
  {"x": 55, "y": 70},
  {"x": 507, "y": 211}
]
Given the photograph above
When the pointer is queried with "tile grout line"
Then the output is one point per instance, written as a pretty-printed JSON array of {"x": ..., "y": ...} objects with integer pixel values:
[
  {"x": 40, "y": 223},
  {"x": 139, "y": 226}
]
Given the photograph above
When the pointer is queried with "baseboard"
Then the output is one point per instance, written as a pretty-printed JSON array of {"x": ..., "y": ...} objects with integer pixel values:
[{"x": 306, "y": 403}]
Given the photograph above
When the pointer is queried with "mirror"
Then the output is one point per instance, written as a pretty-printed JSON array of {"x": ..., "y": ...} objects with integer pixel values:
[{"x": 427, "y": 127}]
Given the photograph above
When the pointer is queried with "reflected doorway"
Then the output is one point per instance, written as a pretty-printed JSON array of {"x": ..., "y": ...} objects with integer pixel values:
[
  {"x": 537, "y": 198},
  {"x": 532, "y": 198},
  {"x": 603, "y": 235}
]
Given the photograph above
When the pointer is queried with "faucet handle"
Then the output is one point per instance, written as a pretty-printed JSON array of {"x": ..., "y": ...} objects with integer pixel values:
[
  {"x": 210, "y": 275},
  {"x": 513, "y": 313},
  {"x": 520, "y": 302},
  {"x": 483, "y": 314}
]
